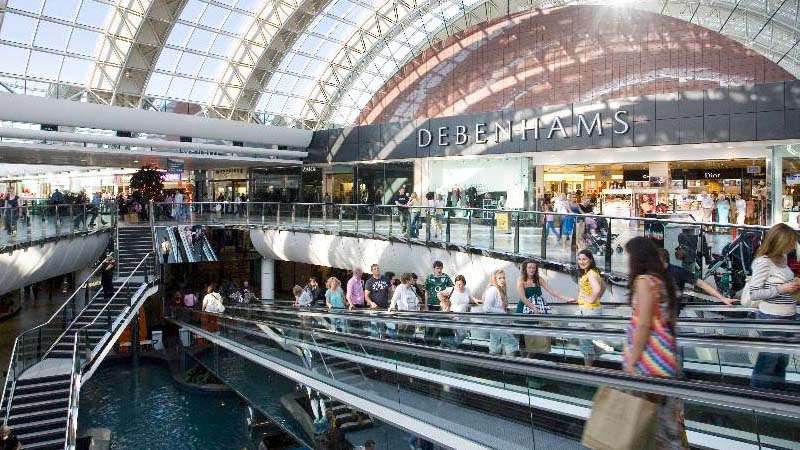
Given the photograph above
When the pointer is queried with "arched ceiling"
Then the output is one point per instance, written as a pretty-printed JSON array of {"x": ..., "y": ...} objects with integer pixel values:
[{"x": 306, "y": 63}]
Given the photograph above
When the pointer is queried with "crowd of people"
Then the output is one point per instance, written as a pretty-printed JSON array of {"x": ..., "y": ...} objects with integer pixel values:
[{"x": 655, "y": 289}]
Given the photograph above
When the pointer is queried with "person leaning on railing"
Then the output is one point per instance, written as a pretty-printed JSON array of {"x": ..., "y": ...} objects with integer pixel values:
[
  {"x": 590, "y": 290},
  {"x": 771, "y": 286}
]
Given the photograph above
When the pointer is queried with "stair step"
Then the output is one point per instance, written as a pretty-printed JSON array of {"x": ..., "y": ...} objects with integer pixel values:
[
  {"x": 43, "y": 445},
  {"x": 45, "y": 435},
  {"x": 34, "y": 396},
  {"x": 47, "y": 379},
  {"x": 43, "y": 385},
  {"x": 44, "y": 404},
  {"x": 59, "y": 422},
  {"x": 36, "y": 415}
]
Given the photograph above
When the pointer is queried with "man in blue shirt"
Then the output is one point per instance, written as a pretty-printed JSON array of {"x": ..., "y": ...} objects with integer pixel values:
[{"x": 94, "y": 209}]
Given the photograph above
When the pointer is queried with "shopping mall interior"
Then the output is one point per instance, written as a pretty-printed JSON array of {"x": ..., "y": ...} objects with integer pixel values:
[{"x": 381, "y": 224}]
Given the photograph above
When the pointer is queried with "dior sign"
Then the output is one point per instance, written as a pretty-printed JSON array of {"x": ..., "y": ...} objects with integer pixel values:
[{"x": 525, "y": 129}]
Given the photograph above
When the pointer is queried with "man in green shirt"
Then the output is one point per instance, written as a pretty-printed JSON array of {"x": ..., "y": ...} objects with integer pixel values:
[{"x": 434, "y": 283}]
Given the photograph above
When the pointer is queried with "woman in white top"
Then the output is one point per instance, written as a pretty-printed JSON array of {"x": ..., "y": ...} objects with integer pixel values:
[
  {"x": 459, "y": 295},
  {"x": 772, "y": 286},
  {"x": 495, "y": 301},
  {"x": 405, "y": 298},
  {"x": 458, "y": 300},
  {"x": 741, "y": 209}
]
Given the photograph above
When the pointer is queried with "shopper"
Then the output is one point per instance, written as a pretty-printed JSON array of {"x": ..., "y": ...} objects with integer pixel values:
[
  {"x": 457, "y": 299},
  {"x": 772, "y": 285},
  {"x": 438, "y": 216},
  {"x": 723, "y": 209},
  {"x": 316, "y": 291},
  {"x": 335, "y": 301},
  {"x": 189, "y": 300},
  {"x": 590, "y": 289},
  {"x": 376, "y": 294},
  {"x": 212, "y": 303},
  {"x": 741, "y": 209},
  {"x": 413, "y": 207},
  {"x": 401, "y": 201},
  {"x": 107, "y": 277},
  {"x": 529, "y": 289},
  {"x": 165, "y": 250},
  {"x": 549, "y": 223},
  {"x": 405, "y": 299},
  {"x": 495, "y": 301},
  {"x": 8, "y": 440},
  {"x": 650, "y": 347},
  {"x": 680, "y": 277},
  {"x": 11, "y": 211},
  {"x": 531, "y": 301},
  {"x": 434, "y": 283},
  {"x": 355, "y": 290},
  {"x": 94, "y": 209}
]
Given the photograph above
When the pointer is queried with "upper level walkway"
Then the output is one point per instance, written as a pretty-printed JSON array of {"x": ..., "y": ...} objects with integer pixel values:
[
  {"x": 38, "y": 242},
  {"x": 720, "y": 253}
]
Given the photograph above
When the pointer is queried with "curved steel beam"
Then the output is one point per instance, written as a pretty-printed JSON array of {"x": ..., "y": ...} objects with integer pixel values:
[
  {"x": 268, "y": 38},
  {"x": 136, "y": 32},
  {"x": 322, "y": 109}
]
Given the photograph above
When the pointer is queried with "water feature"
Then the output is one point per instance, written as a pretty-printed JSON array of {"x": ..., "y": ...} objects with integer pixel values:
[{"x": 145, "y": 410}]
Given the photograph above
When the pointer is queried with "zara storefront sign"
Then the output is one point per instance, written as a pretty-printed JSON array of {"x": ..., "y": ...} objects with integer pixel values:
[{"x": 523, "y": 129}]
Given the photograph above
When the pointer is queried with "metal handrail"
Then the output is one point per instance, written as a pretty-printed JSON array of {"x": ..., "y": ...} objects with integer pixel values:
[
  {"x": 119, "y": 289},
  {"x": 715, "y": 393},
  {"x": 15, "y": 350},
  {"x": 524, "y": 319},
  {"x": 66, "y": 329},
  {"x": 472, "y": 209},
  {"x": 74, "y": 387},
  {"x": 617, "y": 334}
]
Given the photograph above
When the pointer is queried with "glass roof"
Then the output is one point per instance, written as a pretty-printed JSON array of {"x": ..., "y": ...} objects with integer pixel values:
[{"x": 314, "y": 72}]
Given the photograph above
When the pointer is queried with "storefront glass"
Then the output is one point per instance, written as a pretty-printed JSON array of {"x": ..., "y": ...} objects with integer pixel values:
[
  {"x": 481, "y": 182},
  {"x": 674, "y": 187},
  {"x": 276, "y": 184}
]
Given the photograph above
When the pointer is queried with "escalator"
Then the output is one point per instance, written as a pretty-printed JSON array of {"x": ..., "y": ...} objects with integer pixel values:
[
  {"x": 403, "y": 363},
  {"x": 186, "y": 243},
  {"x": 207, "y": 250},
  {"x": 173, "y": 242}
]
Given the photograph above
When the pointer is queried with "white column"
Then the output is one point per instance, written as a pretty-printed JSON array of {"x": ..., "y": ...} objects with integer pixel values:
[
  {"x": 267, "y": 279},
  {"x": 775, "y": 183}
]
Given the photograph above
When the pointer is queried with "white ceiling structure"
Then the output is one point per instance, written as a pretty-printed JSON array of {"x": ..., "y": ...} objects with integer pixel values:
[{"x": 299, "y": 63}]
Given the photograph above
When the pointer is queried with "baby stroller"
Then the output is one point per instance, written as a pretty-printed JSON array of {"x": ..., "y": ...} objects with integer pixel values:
[{"x": 596, "y": 234}]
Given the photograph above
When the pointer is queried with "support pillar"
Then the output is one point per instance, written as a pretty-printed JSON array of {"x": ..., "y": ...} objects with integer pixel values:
[
  {"x": 135, "y": 339},
  {"x": 775, "y": 184},
  {"x": 267, "y": 280}
]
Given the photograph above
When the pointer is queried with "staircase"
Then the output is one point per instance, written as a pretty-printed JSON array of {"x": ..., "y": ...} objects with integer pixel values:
[
  {"x": 47, "y": 367},
  {"x": 38, "y": 411},
  {"x": 96, "y": 331},
  {"x": 133, "y": 243}
]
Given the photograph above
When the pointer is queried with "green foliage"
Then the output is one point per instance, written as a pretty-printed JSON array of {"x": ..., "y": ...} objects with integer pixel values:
[
  {"x": 148, "y": 182},
  {"x": 199, "y": 375}
]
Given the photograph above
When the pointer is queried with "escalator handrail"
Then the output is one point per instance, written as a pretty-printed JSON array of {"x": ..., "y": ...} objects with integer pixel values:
[
  {"x": 744, "y": 343},
  {"x": 521, "y": 319},
  {"x": 746, "y": 398}
]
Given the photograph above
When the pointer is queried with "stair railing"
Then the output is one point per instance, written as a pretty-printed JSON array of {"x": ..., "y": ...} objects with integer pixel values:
[
  {"x": 143, "y": 268},
  {"x": 82, "y": 344},
  {"x": 32, "y": 345}
]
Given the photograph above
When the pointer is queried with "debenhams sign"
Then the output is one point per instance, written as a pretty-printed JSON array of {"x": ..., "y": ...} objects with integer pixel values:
[{"x": 524, "y": 130}]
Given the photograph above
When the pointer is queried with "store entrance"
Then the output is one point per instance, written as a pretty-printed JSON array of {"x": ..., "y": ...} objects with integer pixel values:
[{"x": 674, "y": 187}]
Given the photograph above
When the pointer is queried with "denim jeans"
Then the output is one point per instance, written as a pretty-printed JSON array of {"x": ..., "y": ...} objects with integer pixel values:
[
  {"x": 769, "y": 371},
  {"x": 587, "y": 345},
  {"x": 549, "y": 227}
]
